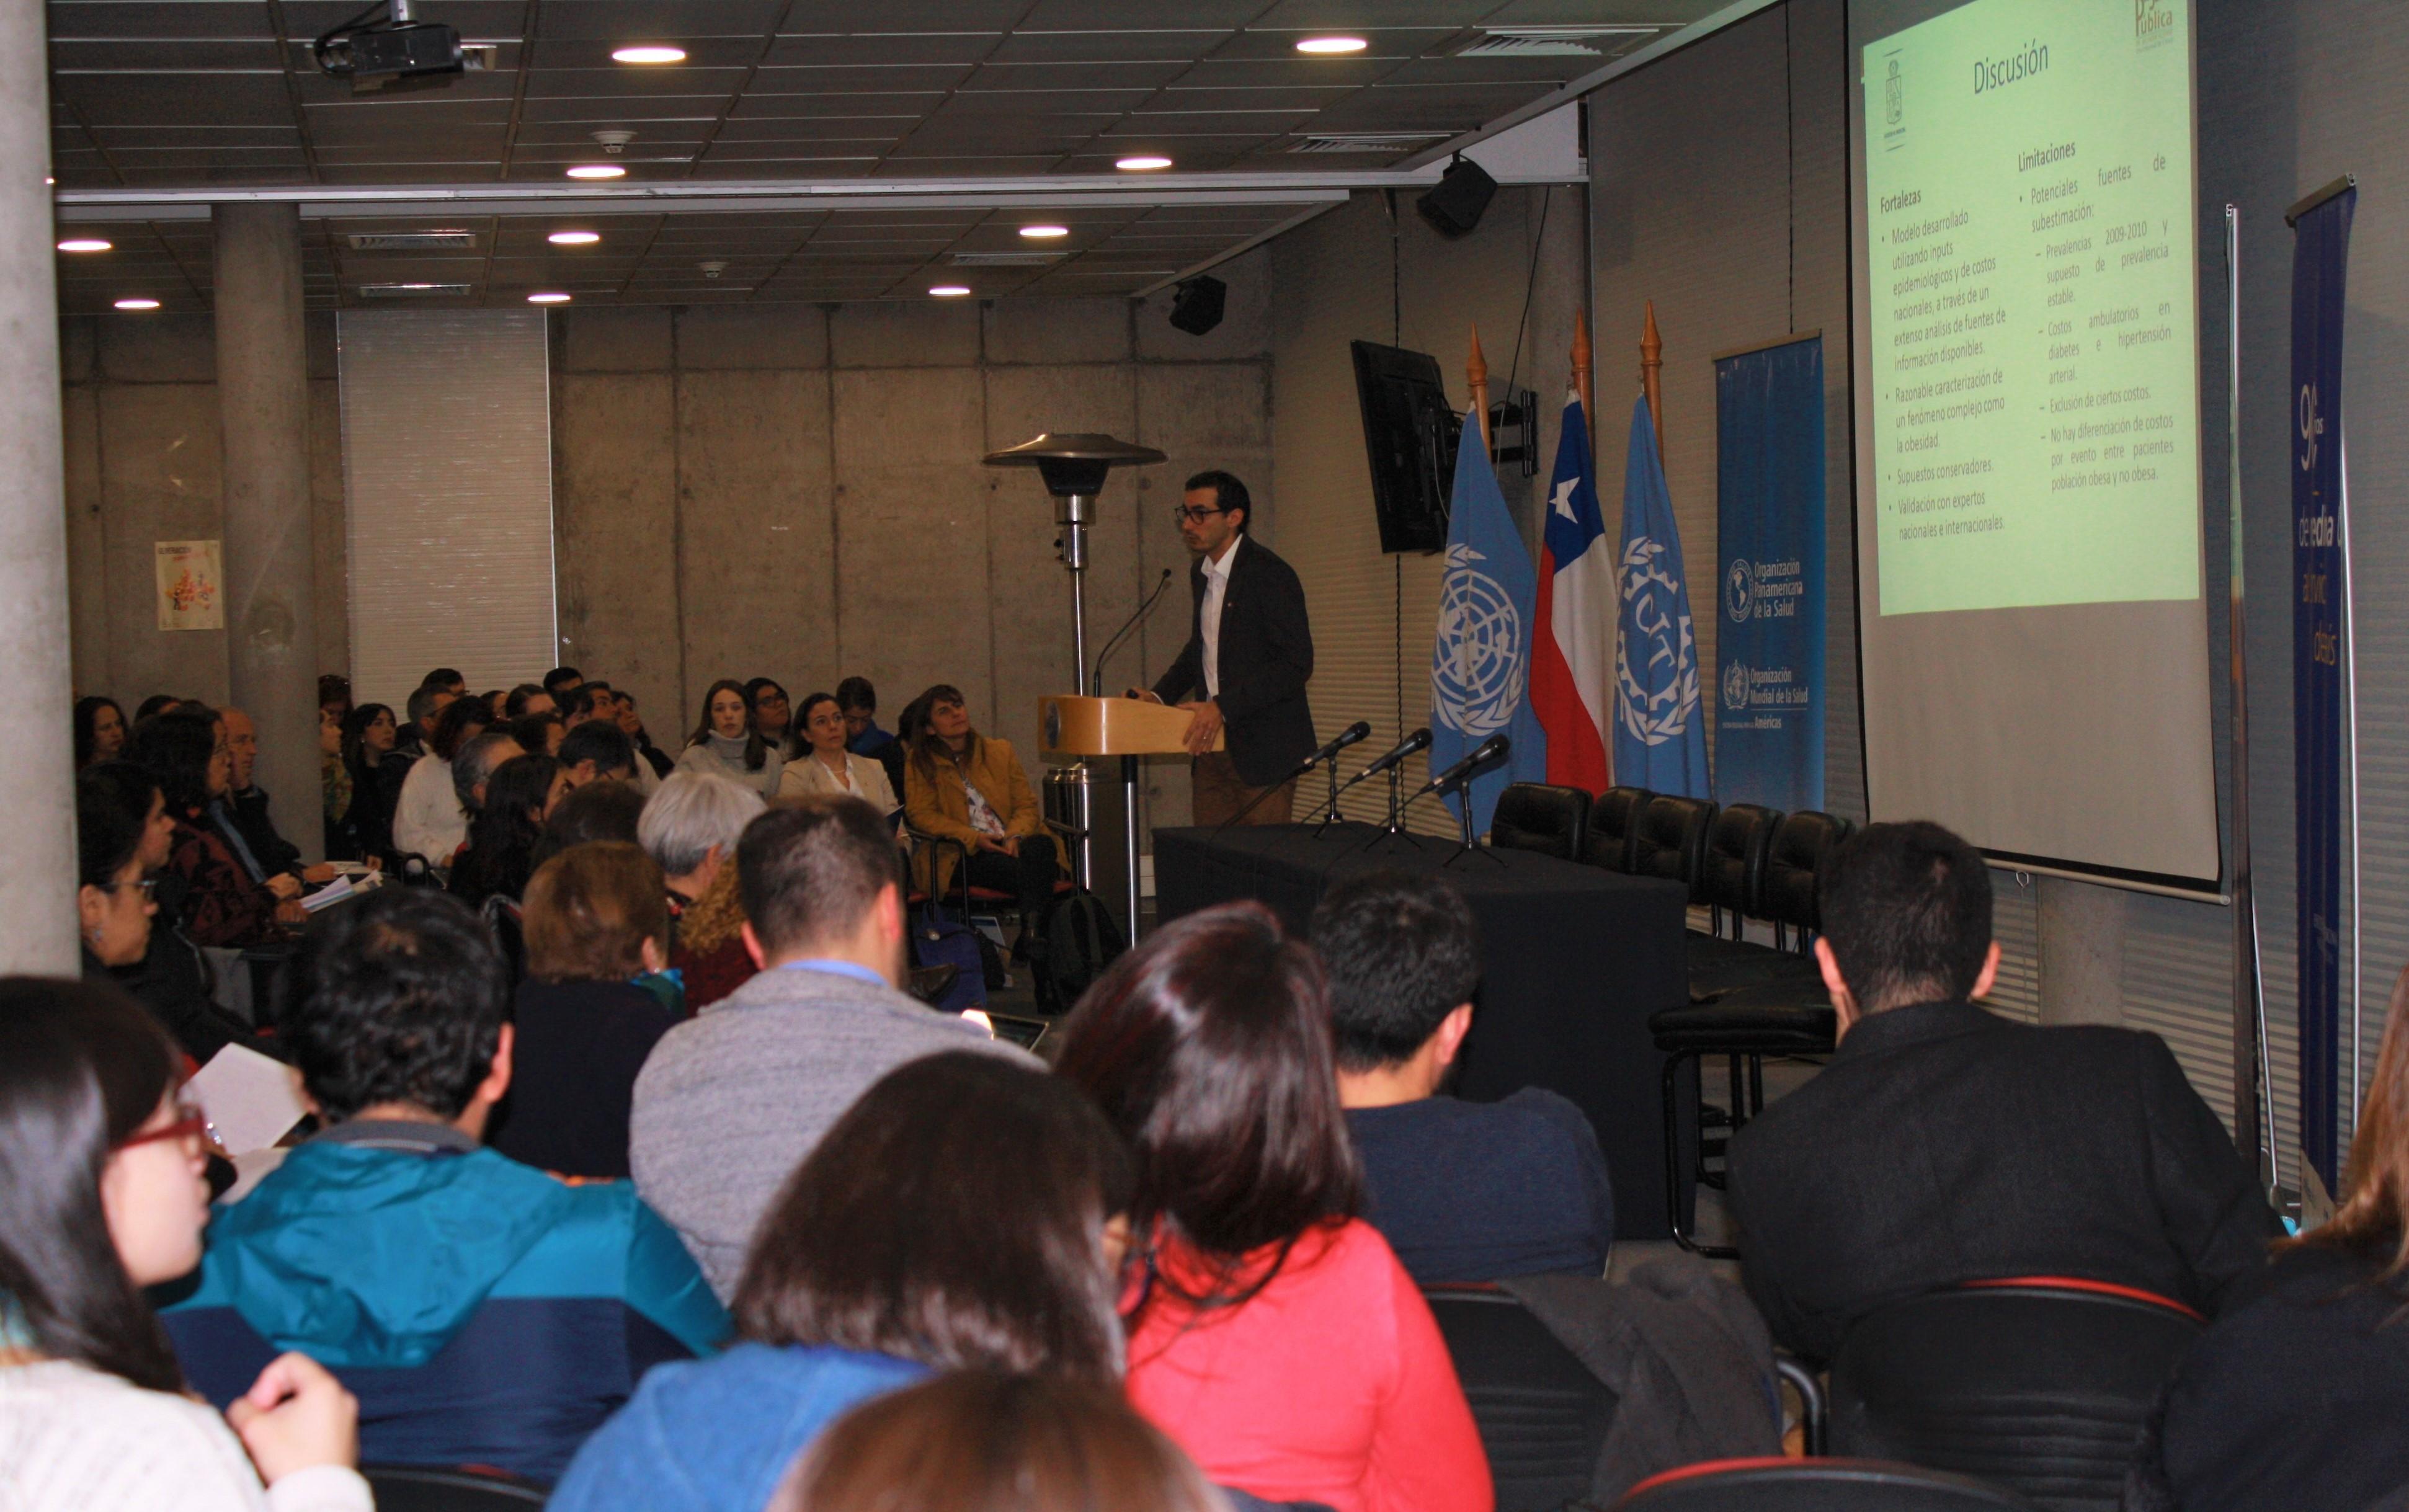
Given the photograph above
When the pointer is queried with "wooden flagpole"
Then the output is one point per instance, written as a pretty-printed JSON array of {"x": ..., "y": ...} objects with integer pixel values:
[
  {"x": 1652, "y": 360},
  {"x": 1584, "y": 374},
  {"x": 1476, "y": 374}
]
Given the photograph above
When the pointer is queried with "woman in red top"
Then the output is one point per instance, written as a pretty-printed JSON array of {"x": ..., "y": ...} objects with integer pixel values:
[{"x": 1272, "y": 1332}]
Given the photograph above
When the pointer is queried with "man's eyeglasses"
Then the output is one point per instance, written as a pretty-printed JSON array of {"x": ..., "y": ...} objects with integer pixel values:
[
  {"x": 1179, "y": 512},
  {"x": 191, "y": 1126},
  {"x": 148, "y": 885}
]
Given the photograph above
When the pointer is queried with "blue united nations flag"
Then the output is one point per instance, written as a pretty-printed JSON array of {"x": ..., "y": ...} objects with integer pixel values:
[
  {"x": 1660, "y": 736},
  {"x": 1480, "y": 659}
]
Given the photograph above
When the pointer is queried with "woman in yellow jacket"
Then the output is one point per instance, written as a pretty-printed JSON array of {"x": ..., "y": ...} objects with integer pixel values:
[{"x": 962, "y": 786}]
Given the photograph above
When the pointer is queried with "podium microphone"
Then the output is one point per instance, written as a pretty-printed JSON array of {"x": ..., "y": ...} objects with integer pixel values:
[{"x": 1096, "y": 678}]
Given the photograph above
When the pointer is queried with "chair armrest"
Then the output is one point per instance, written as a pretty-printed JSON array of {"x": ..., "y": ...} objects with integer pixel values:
[{"x": 1814, "y": 1415}]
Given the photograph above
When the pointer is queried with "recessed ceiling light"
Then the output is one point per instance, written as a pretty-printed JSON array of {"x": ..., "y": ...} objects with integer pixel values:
[
  {"x": 549, "y": 297},
  {"x": 1332, "y": 44},
  {"x": 648, "y": 54},
  {"x": 1045, "y": 233},
  {"x": 950, "y": 291},
  {"x": 597, "y": 170},
  {"x": 138, "y": 303},
  {"x": 574, "y": 238},
  {"x": 84, "y": 244},
  {"x": 1142, "y": 165}
]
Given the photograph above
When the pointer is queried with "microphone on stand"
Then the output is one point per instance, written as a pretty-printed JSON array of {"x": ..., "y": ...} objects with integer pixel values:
[
  {"x": 1480, "y": 755},
  {"x": 1418, "y": 741},
  {"x": 1359, "y": 730},
  {"x": 1096, "y": 678}
]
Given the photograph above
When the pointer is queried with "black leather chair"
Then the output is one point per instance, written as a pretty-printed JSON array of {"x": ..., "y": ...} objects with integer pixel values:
[
  {"x": 1801, "y": 845},
  {"x": 1784, "y": 1485},
  {"x": 1731, "y": 885},
  {"x": 1542, "y": 1416},
  {"x": 1613, "y": 827},
  {"x": 1538, "y": 816},
  {"x": 432, "y": 1489},
  {"x": 1670, "y": 839},
  {"x": 2040, "y": 1383}
]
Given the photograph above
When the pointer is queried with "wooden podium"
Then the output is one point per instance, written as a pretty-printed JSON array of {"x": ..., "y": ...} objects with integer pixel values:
[
  {"x": 1081, "y": 729},
  {"x": 1072, "y": 726}
]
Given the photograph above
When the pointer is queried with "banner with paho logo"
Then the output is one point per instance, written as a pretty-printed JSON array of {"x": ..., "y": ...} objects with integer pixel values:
[
  {"x": 2320, "y": 538},
  {"x": 1770, "y": 548}
]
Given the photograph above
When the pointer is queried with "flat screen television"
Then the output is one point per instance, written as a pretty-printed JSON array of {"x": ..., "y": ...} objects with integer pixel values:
[{"x": 1409, "y": 431}]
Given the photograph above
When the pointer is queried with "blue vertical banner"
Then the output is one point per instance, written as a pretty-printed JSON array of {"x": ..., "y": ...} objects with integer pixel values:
[
  {"x": 2320, "y": 261},
  {"x": 1660, "y": 739},
  {"x": 1770, "y": 555},
  {"x": 1480, "y": 657}
]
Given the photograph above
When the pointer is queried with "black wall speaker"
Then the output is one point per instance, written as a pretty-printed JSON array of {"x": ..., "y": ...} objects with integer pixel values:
[
  {"x": 1196, "y": 304},
  {"x": 1462, "y": 194}
]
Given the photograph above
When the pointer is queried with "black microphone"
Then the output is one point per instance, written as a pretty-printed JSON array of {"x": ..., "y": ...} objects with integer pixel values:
[
  {"x": 1361, "y": 730},
  {"x": 1418, "y": 741},
  {"x": 1480, "y": 756},
  {"x": 1096, "y": 678}
]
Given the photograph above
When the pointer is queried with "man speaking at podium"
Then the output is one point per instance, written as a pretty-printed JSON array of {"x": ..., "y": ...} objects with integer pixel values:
[{"x": 1243, "y": 671}]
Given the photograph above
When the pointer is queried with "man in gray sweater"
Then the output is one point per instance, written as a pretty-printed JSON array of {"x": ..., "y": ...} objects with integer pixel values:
[{"x": 730, "y": 1103}]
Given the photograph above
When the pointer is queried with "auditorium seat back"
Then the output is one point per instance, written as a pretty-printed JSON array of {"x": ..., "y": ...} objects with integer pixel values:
[
  {"x": 1538, "y": 817},
  {"x": 1613, "y": 826},
  {"x": 432, "y": 1489},
  {"x": 1732, "y": 875},
  {"x": 2040, "y": 1385},
  {"x": 1797, "y": 850},
  {"x": 1671, "y": 841},
  {"x": 1786, "y": 1485},
  {"x": 1542, "y": 1415}
]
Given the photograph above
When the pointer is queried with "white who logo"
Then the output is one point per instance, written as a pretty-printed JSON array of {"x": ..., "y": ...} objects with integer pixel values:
[
  {"x": 1656, "y": 657},
  {"x": 1735, "y": 686},
  {"x": 1477, "y": 666}
]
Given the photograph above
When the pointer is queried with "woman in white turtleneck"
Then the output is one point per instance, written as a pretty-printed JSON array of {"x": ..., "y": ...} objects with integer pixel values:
[
  {"x": 827, "y": 767},
  {"x": 726, "y": 744}
]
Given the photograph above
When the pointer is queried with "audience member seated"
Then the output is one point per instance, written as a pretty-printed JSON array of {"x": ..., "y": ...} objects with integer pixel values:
[
  {"x": 691, "y": 826},
  {"x": 2295, "y": 1398},
  {"x": 563, "y": 681},
  {"x": 449, "y": 679},
  {"x": 1272, "y": 1332},
  {"x": 112, "y": 797},
  {"x": 540, "y": 733},
  {"x": 113, "y": 893},
  {"x": 732, "y": 1100},
  {"x": 857, "y": 701},
  {"x": 428, "y": 819},
  {"x": 592, "y": 1007},
  {"x": 1462, "y": 1191},
  {"x": 1943, "y": 1145},
  {"x": 421, "y": 709},
  {"x": 102, "y": 1197},
  {"x": 981, "y": 1441},
  {"x": 726, "y": 744},
  {"x": 927, "y": 1231},
  {"x": 774, "y": 715},
  {"x": 483, "y": 1312},
  {"x": 633, "y": 724},
  {"x": 597, "y": 750},
  {"x": 971, "y": 789},
  {"x": 518, "y": 799},
  {"x": 335, "y": 695},
  {"x": 597, "y": 811},
  {"x": 376, "y": 771},
  {"x": 99, "y": 731},
  {"x": 528, "y": 699},
  {"x": 334, "y": 787},
  {"x": 473, "y": 768},
  {"x": 157, "y": 703},
  {"x": 827, "y": 767},
  {"x": 243, "y": 819},
  {"x": 204, "y": 888}
]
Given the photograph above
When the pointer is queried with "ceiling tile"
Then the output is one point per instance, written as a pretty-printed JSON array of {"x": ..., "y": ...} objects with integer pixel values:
[
  {"x": 924, "y": 48},
  {"x": 187, "y": 54},
  {"x": 817, "y": 128},
  {"x": 1108, "y": 15},
  {"x": 856, "y": 79},
  {"x": 620, "y": 112},
  {"x": 1076, "y": 76},
  {"x": 763, "y": 107},
  {"x": 622, "y": 84},
  {"x": 1113, "y": 45},
  {"x": 177, "y": 99},
  {"x": 171, "y": 18},
  {"x": 647, "y": 21},
  {"x": 703, "y": 52}
]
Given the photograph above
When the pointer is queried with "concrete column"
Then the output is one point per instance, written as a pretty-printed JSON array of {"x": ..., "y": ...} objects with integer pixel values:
[
  {"x": 264, "y": 407},
  {"x": 37, "y": 844},
  {"x": 2081, "y": 952}
]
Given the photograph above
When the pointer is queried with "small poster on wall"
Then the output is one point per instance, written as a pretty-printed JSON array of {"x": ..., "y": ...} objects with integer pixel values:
[{"x": 192, "y": 589}]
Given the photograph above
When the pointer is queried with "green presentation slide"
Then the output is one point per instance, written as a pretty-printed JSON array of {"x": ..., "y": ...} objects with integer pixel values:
[{"x": 2034, "y": 334}]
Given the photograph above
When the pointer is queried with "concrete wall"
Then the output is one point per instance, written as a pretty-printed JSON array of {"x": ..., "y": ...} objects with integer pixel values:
[
  {"x": 795, "y": 491},
  {"x": 142, "y": 467}
]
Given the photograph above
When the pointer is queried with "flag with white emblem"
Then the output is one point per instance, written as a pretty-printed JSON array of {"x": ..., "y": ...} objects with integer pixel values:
[{"x": 1572, "y": 669}]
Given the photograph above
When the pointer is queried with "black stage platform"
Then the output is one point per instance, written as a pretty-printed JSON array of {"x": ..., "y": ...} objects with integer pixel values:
[{"x": 1573, "y": 960}]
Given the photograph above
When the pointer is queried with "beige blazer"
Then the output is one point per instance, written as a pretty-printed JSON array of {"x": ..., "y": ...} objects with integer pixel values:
[{"x": 809, "y": 774}]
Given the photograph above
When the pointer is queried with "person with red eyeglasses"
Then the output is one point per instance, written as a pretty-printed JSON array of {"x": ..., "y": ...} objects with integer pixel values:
[{"x": 101, "y": 1196}]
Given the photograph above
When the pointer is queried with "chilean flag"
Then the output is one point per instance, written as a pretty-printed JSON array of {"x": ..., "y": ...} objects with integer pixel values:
[{"x": 1572, "y": 668}]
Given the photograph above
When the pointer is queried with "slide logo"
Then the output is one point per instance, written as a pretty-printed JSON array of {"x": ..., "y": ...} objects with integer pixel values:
[
  {"x": 1476, "y": 672},
  {"x": 2154, "y": 23},
  {"x": 1894, "y": 95}
]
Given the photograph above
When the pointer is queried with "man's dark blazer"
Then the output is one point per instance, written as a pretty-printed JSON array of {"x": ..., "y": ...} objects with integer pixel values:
[
  {"x": 1944, "y": 1145},
  {"x": 1266, "y": 657}
]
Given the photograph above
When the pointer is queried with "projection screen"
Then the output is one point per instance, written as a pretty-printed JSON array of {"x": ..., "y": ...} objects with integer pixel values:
[{"x": 2031, "y": 616}]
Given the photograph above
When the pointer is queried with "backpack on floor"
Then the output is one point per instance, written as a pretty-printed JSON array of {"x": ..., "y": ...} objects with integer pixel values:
[
  {"x": 940, "y": 939},
  {"x": 1080, "y": 939}
]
